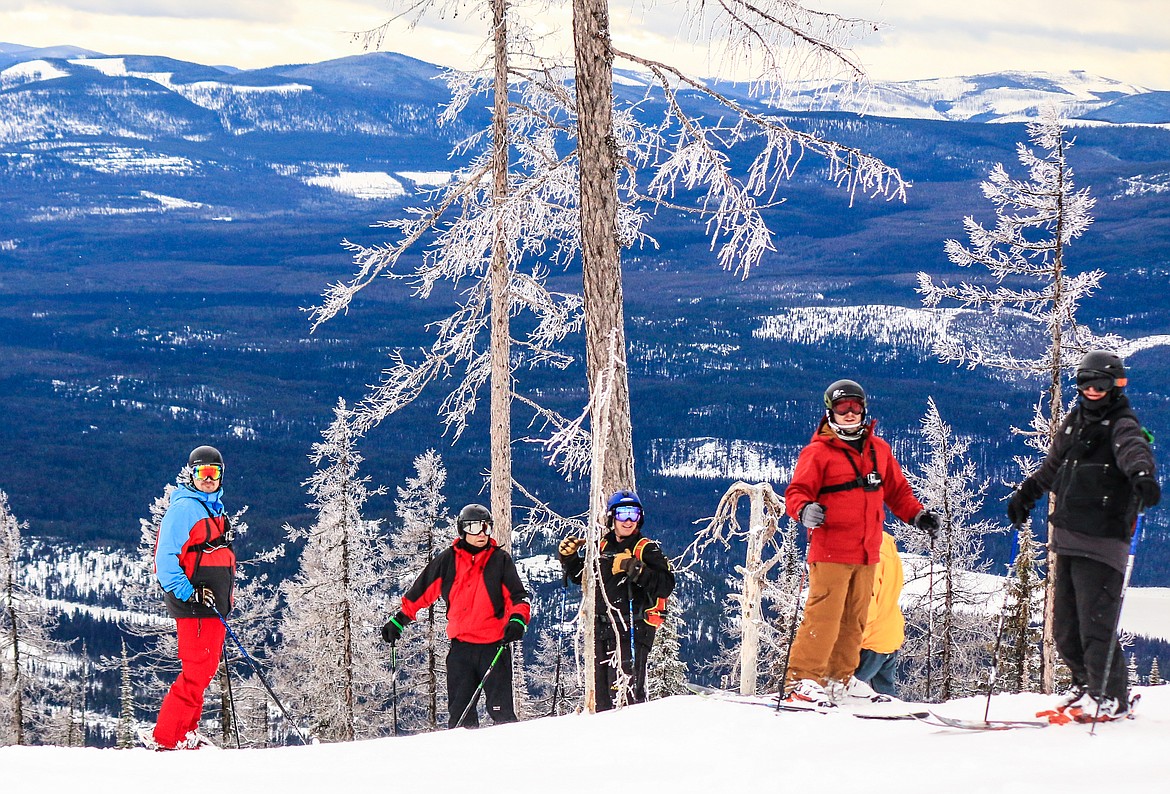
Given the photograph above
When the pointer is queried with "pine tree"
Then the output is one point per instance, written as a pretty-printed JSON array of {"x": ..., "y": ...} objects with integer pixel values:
[
  {"x": 127, "y": 734},
  {"x": 332, "y": 653},
  {"x": 1036, "y": 220},
  {"x": 666, "y": 673},
  {"x": 28, "y": 692},
  {"x": 1155, "y": 678},
  {"x": 944, "y": 654},
  {"x": 422, "y": 652},
  {"x": 1019, "y": 662}
]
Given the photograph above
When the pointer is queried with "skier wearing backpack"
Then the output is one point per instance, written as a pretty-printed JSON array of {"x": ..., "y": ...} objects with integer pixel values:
[
  {"x": 487, "y": 610},
  {"x": 195, "y": 564},
  {"x": 844, "y": 480},
  {"x": 636, "y": 580},
  {"x": 1100, "y": 471}
]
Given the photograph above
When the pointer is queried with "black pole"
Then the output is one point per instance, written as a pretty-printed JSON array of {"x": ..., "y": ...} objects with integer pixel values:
[
  {"x": 260, "y": 674},
  {"x": 1113, "y": 641},
  {"x": 1011, "y": 563}
]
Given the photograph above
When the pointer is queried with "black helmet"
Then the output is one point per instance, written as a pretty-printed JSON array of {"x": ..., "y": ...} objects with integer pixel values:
[
  {"x": 840, "y": 389},
  {"x": 472, "y": 512},
  {"x": 201, "y": 456},
  {"x": 1099, "y": 365},
  {"x": 623, "y": 498}
]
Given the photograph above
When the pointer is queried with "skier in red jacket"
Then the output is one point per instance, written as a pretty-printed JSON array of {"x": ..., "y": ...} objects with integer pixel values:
[
  {"x": 487, "y": 610},
  {"x": 844, "y": 479}
]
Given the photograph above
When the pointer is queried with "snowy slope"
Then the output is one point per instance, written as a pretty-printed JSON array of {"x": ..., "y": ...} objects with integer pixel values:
[{"x": 677, "y": 745}]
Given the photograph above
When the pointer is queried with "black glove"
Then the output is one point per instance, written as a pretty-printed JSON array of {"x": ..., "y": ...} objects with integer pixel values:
[
  {"x": 1149, "y": 493},
  {"x": 202, "y": 596},
  {"x": 569, "y": 546},
  {"x": 514, "y": 630},
  {"x": 394, "y": 627},
  {"x": 928, "y": 522},
  {"x": 812, "y": 515},
  {"x": 1019, "y": 507}
]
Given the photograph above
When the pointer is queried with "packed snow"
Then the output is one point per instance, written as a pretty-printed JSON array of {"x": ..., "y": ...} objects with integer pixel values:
[
  {"x": 360, "y": 184},
  {"x": 680, "y": 744}
]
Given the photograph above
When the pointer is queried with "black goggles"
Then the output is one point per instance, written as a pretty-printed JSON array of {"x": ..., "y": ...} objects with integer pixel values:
[{"x": 1094, "y": 380}]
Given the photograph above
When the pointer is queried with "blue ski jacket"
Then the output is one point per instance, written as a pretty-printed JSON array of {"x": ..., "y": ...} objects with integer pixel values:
[{"x": 194, "y": 547}]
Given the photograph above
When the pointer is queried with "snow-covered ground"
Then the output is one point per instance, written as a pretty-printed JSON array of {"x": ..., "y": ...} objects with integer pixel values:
[{"x": 681, "y": 744}]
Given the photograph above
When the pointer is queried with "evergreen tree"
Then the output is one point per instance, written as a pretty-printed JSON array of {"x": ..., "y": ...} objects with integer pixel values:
[
  {"x": 421, "y": 654},
  {"x": 946, "y": 635},
  {"x": 28, "y": 692},
  {"x": 1019, "y": 662},
  {"x": 1155, "y": 678},
  {"x": 1036, "y": 220},
  {"x": 332, "y": 653},
  {"x": 127, "y": 733},
  {"x": 666, "y": 673}
]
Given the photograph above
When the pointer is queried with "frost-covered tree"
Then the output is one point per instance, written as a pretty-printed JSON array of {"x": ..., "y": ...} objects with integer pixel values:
[
  {"x": 1020, "y": 658},
  {"x": 948, "y": 624},
  {"x": 28, "y": 691},
  {"x": 332, "y": 655},
  {"x": 761, "y": 554},
  {"x": 1155, "y": 677},
  {"x": 666, "y": 672},
  {"x": 1037, "y": 219},
  {"x": 126, "y": 735},
  {"x": 554, "y": 683},
  {"x": 421, "y": 654}
]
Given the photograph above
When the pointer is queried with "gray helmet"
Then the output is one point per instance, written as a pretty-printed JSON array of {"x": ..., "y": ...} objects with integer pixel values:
[
  {"x": 1097, "y": 364},
  {"x": 472, "y": 512}
]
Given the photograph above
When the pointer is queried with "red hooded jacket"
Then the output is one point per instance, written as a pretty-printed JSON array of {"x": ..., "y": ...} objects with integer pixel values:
[{"x": 852, "y": 532}]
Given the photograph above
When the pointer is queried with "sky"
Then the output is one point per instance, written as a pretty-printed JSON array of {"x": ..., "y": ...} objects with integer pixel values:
[
  {"x": 1127, "y": 40},
  {"x": 680, "y": 745}
]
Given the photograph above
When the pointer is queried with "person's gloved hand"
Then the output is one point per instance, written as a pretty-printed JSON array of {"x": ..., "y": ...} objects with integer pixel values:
[
  {"x": 514, "y": 630},
  {"x": 1148, "y": 492},
  {"x": 394, "y": 627},
  {"x": 812, "y": 515},
  {"x": 630, "y": 565},
  {"x": 928, "y": 522},
  {"x": 620, "y": 561},
  {"x": 202, "y": 596},
  {"x": 1019, "y": 507},
  {"x": 569, "y": 546}
]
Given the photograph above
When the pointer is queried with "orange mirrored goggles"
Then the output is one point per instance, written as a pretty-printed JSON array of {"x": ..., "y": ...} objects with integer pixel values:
[{"x": 208, "y": 471}]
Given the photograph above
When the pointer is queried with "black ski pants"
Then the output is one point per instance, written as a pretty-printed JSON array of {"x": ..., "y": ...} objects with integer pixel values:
[
  {"x": 606, "y": 641},
  {"x": 467, "y": 663},
  {"x": 1085, "y": 608}
]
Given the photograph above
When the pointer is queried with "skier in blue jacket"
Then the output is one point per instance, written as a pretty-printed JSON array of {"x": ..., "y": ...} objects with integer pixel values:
[{"x": 195, "y": 565}]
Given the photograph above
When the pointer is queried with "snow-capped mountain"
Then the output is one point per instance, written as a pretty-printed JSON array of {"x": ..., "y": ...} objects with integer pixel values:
[{"x": 999, "y": 97}]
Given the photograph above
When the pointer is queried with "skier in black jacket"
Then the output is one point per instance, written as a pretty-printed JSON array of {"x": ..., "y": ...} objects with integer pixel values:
[
  {"x": 636, "y": 580},
  {"x": 1100, "y": 470}
]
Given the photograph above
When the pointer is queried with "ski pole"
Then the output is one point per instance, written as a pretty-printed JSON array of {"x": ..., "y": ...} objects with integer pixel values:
[
  {"x": 930, "y": 622},
  {"x": 557, "y": 686},
  {"x": 633, "y": 650},
  {"x": 260, "y": 674},
  {"x": 1007, "y": 583},
  {"x": 792, "y": 633},
  {"x": 475, "y": 694},
  {"x": 227, "y": 676},
  {"x": 1133, "y": 544},
  {"x": 394, "y": 684}
]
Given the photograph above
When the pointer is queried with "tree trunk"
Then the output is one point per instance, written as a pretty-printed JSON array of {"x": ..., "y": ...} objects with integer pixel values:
[
  {"x": 501, "y": 347},
  {"x": 600, "y": 253},
  {"x": 749, "y": 649}
]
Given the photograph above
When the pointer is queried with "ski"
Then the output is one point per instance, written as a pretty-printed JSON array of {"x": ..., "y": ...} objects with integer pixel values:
[
  {"x": 933, "y": 718},
  {"x": 769, "y": 701}
]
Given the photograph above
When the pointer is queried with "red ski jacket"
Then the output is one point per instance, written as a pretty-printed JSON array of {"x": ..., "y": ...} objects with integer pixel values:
[
  {"x": 482, "y": 592},
  {"x": 835, "y": 474}
]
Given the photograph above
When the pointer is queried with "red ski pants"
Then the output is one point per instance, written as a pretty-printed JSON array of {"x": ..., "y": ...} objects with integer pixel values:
[{"x": 200, "y": 648}]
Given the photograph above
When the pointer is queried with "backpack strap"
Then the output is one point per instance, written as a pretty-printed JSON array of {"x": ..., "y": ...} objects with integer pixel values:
[{"x": 861, "y": 480}]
